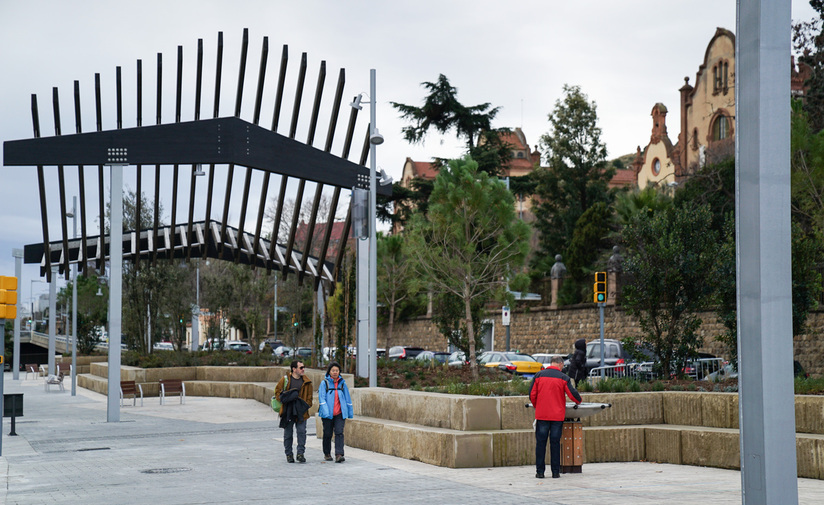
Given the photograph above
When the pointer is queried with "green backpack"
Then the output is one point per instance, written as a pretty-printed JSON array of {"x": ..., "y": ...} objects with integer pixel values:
[{"x": 275, "y": 402}]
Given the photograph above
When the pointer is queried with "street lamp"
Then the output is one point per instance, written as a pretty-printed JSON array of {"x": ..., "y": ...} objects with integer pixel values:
[{"x": 375, "y": 139}]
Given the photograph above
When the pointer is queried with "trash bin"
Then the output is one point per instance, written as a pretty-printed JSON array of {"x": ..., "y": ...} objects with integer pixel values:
[
  {"x": 13, "y": 408},
  {"x": 572, "y": 438}
]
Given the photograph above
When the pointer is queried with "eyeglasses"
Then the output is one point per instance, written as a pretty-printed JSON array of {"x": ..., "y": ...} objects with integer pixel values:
[{"x": 301, "y": 367}]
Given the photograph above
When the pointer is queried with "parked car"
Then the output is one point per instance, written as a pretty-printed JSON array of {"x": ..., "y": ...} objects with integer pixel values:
[
  {"x": 545, "y": 358},
  {"x": 282, "y": 351},
  {"x": 439, "y": 357},
  {"x": 270, "y": 344},
  {"x": 614, "y": 353},
  {"x": 457, "y": 358},
  {"x": 404, "y": 352},
  {"x": 517, "y": 363},
  {"x": 237, "y": 345},
  {"x": 303, "y": 352},
  {"x": 163, "y": 346}
]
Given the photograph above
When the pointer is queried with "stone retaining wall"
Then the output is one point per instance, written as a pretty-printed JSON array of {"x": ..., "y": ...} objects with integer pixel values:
[{"x": 541, "y": 329}]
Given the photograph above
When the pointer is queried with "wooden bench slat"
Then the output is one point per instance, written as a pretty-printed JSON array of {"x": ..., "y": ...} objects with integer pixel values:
[{"x": 172, "y": 386}]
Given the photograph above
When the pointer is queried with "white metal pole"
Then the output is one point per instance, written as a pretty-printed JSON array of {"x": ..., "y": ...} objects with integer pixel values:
[
  {"x": 196, "y": 311},
  {"x": 52, "y": 318},
  {"x": 74, "y": 301},
  {"x": 373, "y": 254},
  {"x": 115, "y": 291},
  {"x": 18, "y": 272},
  {"x": 763, "y": 253}
]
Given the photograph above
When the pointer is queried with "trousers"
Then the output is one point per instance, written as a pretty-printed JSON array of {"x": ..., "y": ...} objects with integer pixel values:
[
  {"x": 300, "y": 427},
  {"x": 551, "y": 430},
  {"x": 331, "y": 427}
]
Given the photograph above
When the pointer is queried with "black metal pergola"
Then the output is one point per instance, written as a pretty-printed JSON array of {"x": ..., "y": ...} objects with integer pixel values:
[{"x": 230, "y": 142}]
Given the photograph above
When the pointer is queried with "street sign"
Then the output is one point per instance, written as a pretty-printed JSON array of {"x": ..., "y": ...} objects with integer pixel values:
[{"x": 505, "y": 316}]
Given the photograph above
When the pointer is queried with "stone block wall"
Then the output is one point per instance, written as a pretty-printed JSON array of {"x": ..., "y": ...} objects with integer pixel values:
[{"x": 541, "y": 329}]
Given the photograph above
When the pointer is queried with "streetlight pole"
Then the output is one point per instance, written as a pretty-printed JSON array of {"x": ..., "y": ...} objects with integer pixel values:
[
  {"x": 374, "y": 139},
  {"x": 52, "y": 318},
  {"x": 73, "y": 215}
]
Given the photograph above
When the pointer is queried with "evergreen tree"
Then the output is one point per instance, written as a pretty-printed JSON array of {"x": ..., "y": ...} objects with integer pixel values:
[
  {"x": 576, "y": 177},
  {"x": 470, "y": 242},
  {"x": 669, "y": 258},
  {"x": 442, "y": 111}
]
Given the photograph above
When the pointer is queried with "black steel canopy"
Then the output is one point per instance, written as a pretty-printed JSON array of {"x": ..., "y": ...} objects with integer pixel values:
[
  {"x": 224, "y": 142},
  {"x": 209, "y": 141}
]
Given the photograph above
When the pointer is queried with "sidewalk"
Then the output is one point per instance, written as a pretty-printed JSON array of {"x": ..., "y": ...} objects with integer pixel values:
[{"x": 229, "y": 451}]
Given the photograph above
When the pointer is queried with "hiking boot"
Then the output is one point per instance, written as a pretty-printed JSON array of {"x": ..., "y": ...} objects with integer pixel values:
[
  {"x": 290, "y": 458},
  {"x": 339, "y": 458},
  {"x": 327, "y": 457},
  {"x": 301, "y": 459}
]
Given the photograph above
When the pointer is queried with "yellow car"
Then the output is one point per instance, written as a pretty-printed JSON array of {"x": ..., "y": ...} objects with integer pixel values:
[{"x": 514, "y": 362}]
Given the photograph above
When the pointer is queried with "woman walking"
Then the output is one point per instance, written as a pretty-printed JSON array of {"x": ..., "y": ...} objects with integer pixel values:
[{"x": 335, "y": 407}]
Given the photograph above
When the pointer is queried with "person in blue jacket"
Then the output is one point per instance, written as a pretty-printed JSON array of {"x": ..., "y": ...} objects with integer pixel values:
[{"x": 335, "y": 407}]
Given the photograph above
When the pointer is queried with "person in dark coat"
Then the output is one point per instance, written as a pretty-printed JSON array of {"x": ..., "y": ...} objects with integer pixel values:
[
  {"x": 578, "y": 362},
  {"x": 294, "y": 410}
]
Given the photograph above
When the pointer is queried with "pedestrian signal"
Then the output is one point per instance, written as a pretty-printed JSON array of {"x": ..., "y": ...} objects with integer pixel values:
[{"x": 600, "y": 287}]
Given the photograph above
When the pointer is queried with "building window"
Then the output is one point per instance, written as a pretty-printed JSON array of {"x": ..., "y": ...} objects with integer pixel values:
[
  {"x": 656, "y": 166},
  {"x": 720, "y": 128},
  {"x": 715, "y": 79},
  {"x": 726, "y": 78},
  {"x": 695, "y": 138}
]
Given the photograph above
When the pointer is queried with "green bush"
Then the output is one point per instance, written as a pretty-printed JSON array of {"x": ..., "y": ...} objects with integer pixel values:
[
  {"x": 808, "y": 386},
  {"x": 165, "y": 359}
]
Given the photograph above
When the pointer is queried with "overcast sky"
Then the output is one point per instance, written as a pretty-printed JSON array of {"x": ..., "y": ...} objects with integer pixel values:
[{"x": 626, "y": 56}]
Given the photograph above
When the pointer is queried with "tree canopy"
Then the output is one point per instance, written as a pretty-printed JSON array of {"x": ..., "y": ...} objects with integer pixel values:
[
  {"x": 442, "y": 111},
  {"x": 470, "y": 243},
  {"x": 576, "y": 176}
]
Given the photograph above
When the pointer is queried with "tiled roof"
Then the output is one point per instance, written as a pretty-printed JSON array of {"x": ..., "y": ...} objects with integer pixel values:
[
  {"x": 424, "y": 169},
  {"x": 623, "y": 177}
]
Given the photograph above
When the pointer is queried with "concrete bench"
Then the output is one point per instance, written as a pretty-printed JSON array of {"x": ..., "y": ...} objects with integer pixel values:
[
  {"x": 172, "y": 386},
  {"x": 133, "y": 389}
]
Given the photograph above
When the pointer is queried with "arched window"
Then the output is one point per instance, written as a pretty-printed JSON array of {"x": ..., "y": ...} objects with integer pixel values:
[
  {"x": 695, "y": 138},
  {"x": 656, "y": 166},
  {"x": 720, "y": 128},
  {"x": 726, "y": 77}
]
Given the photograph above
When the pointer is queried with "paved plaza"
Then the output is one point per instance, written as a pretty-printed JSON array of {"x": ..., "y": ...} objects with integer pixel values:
[{"x": 229, "y": 451}]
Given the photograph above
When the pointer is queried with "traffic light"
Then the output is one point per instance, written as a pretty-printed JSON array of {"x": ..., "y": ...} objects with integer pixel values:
[
  {"x": 294, "y": 321},
  {"x": 181, "y": 319},
  {"x": 8, "y": 297},
  {"x": 600, "y": 287}
]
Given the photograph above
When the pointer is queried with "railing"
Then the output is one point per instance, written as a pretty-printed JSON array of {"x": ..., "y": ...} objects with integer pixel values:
[
  {"x": 645, "y": 371},
  {"x": 611, "y": 371}
]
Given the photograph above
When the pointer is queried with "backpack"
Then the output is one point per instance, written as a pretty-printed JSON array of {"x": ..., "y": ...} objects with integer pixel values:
[{"x": 275, "y": 402}]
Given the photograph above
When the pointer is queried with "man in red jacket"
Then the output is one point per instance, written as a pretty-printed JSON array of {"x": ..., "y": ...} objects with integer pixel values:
[{"x": 548, "y": 393}]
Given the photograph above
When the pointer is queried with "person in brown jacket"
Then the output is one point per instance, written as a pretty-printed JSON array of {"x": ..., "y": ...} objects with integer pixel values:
[{"x": 294, "y": 411}]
